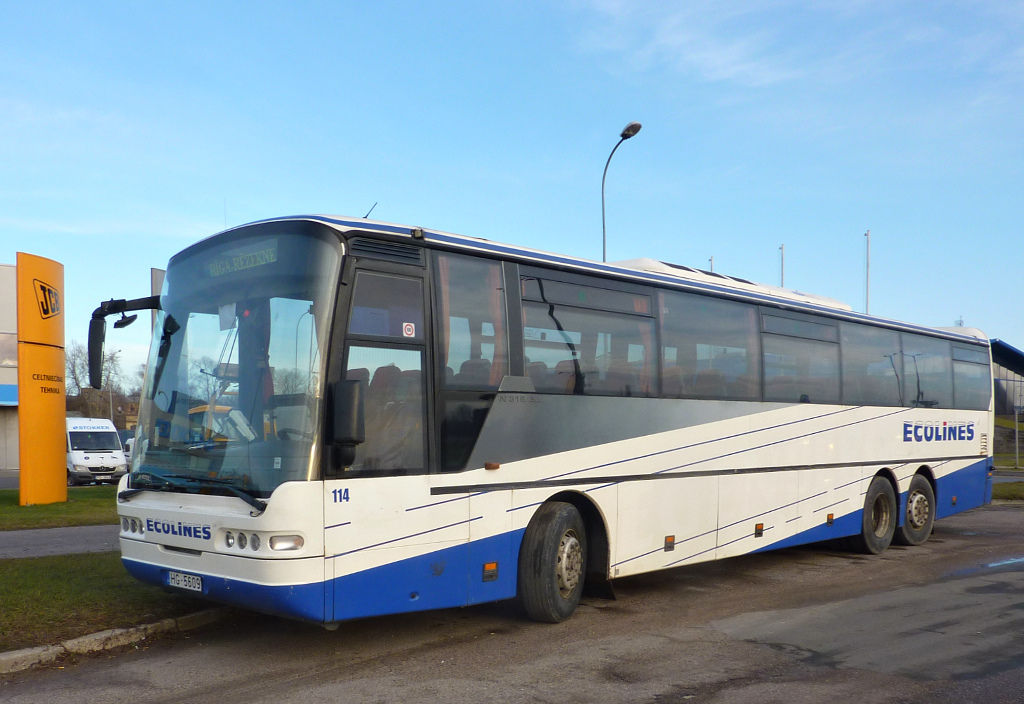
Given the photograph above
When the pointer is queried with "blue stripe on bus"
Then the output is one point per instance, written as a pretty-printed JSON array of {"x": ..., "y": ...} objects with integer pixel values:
[
  {"x": 442, "y": 579},
  {"x": 971, "y": 487},
  {"x": 841, "y": 527},
  {"x": 304, "y": 601},
  {"x": 453, "y": 576},
  {"x": 968, "y": 485},
  {"x": 438, "y": 580}
]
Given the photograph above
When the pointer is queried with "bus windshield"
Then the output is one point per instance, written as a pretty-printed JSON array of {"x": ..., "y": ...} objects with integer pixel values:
[
  {"x": 233, "y": 387},
  {"x": 95, "y": 440}
]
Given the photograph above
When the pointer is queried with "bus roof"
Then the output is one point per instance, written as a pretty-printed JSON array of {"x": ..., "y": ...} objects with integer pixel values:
[{"x": 642, "y": 270}]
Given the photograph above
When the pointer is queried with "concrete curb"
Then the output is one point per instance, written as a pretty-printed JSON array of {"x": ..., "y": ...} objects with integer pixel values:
[{"x": 18, "y": 660}]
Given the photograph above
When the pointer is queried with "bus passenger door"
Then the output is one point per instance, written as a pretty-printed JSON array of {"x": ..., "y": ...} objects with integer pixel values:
[{"x": 391, "y": 546}]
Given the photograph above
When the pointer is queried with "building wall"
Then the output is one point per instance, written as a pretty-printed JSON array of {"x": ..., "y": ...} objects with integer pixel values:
[
  {"x": 1009, "y": 391},
  {"x": 8, "y": 437},
  {"x": 8, "y": 367}
]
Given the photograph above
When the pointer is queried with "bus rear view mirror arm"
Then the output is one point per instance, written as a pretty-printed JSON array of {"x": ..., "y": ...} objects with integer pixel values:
[
  {"x": 98, "y": 329},
  {"x": 348, "y": 427}
]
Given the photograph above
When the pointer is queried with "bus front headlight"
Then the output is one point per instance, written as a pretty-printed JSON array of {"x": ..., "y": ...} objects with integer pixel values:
[{"x": 286, "y": 542}]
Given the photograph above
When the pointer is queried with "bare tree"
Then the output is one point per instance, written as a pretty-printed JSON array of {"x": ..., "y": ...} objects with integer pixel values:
[
  {"x": 113, "y": 377},
  {"x": 135, "y": 383},
  {"x": 290, "y": 381},
  {"x": 76, "y": 368},
  {"x": 202, "y": 381}
]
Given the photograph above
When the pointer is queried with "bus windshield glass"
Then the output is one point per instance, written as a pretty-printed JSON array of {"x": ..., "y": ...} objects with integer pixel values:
[{"x": 233, "y": 385}]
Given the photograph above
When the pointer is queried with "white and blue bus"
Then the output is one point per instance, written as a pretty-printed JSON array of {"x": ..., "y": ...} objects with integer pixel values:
[{"x": 407, "y": 419}]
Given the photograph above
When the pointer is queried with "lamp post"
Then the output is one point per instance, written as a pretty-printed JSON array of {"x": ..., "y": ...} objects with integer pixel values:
[
  {"x": 110, "y": 390},
  {"x": 628, "y": 131},
  {"x": 867, "y": 274}
]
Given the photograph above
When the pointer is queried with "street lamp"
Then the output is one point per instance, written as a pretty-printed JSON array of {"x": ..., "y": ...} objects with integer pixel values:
[{"x": 628, "y": 131}]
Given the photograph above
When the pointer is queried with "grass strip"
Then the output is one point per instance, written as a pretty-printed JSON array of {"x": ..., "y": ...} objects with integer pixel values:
[
  {"x": 47, "y": 600},
  {"x": 1008, "y": 491},
  {"x": 86, "y": 506}
]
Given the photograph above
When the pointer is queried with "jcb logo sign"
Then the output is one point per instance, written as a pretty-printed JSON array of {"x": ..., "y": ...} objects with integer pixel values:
[{"x": 48, "y": 298}]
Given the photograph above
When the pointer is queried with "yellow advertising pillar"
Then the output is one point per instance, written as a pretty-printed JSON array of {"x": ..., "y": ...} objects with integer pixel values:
[{"x": 41, "y": 402}]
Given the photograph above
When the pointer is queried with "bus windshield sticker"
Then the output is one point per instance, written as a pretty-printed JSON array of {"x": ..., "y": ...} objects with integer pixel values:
[
  {"x": 226, "y": 314},
  {"x": 249, "y": 257}
]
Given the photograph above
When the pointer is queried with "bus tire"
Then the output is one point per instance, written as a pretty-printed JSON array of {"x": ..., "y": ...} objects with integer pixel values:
[
  {"x": 552, "y": 563},
  {"x": 71, "y": 480},
  {"x": 878, "y": 523},
  {"x": 919, "y": 517}
]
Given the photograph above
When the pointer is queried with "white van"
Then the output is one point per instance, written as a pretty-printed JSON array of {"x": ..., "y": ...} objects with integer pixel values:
[{"x": 94, "y": 451}]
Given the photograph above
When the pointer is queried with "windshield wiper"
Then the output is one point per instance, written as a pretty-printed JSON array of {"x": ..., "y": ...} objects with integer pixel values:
[
  {"x": 144, "y": 482},
  {"x": 224, "y": 484}
]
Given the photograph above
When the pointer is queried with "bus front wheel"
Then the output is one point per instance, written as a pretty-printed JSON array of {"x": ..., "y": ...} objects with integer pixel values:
[
  {"x": 552, "y": 563},
  {"x": 878, "y": 523},
  {"x": 920, "y": 514}
]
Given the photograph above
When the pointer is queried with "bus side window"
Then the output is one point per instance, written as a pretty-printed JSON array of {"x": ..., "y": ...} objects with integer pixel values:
[
  {"x": 472, "y": 320},
  {"x": 800, "y": 371},
  {"x": 473, "y": 343},
  {"x": 972, "y": 378},
  {"x": 872, "y": 366},
  {"x": 709, "y": 348},
  {"x": 927, "y": 372},
  {"x": 588, "y": 352}
]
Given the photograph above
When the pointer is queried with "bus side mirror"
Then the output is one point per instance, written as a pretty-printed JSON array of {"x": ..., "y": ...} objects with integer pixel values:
[
  {"x": 97, "y": 333},
  {"x": 347, "y": 424}
]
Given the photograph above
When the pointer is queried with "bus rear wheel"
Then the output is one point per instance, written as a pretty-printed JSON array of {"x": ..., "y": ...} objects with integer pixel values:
[
  {"x": 878, "y": 524},
  {"x": 920, "y": 514},
  {"x": 552, "y": 563}
]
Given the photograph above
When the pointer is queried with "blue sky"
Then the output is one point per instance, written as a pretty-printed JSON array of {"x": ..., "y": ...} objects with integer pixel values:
[{"x": 131, "y": 130}]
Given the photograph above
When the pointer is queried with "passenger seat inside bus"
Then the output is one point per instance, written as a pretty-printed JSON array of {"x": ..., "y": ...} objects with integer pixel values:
[{"x": 474, "y": 373}]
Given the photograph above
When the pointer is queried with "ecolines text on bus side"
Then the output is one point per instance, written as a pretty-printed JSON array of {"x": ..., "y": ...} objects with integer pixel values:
[{"x": 936, "y": 432}]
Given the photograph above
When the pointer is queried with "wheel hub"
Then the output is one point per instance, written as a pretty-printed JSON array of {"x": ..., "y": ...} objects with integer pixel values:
[
  {"x": 917, "y": 510},
  {"x": 880, "y": 516},
  {"x": 570, "y": 563}
]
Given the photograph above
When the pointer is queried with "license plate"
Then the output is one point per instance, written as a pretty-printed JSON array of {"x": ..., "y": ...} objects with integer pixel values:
[{"x": 185, "y": 581}]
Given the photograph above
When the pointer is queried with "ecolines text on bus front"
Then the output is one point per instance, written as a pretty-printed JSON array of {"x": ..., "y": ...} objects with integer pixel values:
[{"x": 183, "y": 529}]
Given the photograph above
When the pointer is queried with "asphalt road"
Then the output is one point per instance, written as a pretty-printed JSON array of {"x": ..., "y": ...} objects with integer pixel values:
[
  {"x": 58, "y": 541},
  {"x": 939, "y": 623}
]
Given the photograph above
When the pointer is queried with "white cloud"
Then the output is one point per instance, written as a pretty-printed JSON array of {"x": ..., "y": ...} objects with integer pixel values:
[
  {"x": 704, "y": 40},
  {"x": 763, "y": 43}
]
